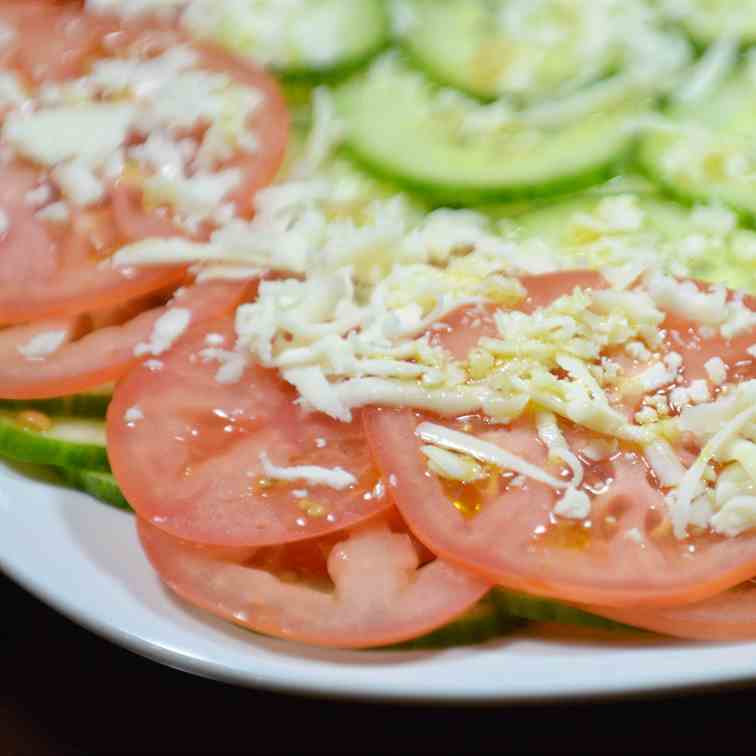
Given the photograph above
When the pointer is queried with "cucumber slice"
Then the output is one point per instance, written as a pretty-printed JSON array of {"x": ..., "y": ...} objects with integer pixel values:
[
  {"x": 101, "y": 485},
  {"x": 30, "y": 436},
  {"x": 457, "y": 151},
  {"x": 299, "y": 39},
  {"x": 538, "y": 609},
  {"x": 510, "y": 48},
  {"x": 709, "y": 20},
  {"x": 89, "y": 405},
  {"x": 708, "y": 153},
  {"x": 594, "y": 231},
  {"x": 483, "y": 622}
]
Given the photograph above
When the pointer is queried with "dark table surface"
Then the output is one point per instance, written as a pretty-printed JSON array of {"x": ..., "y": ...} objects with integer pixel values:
[{"x": 64, "y": 690}]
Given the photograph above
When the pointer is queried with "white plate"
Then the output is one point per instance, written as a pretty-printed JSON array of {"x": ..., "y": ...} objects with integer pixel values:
[{"x": 83, "y": 558}]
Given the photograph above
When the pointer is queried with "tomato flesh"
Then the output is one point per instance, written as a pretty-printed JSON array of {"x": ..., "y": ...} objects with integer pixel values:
[
  {"x": 193, "y": 465},
  {"x": 625, "y": 553},
  {"x": 360, "y": 589}
]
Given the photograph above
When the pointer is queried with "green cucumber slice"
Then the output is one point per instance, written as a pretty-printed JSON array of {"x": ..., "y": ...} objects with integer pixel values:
[
  {"x": 538, "y": 609},
  {"x": 709, "y": 20},
  {"x": 523, "y": 49},
  {"x": 89, "y": 405},
  {"x": 707, "y": 152},
  {"x": 457, "y": 151},
  {"x": 299, "y": 39},
  {"x": 594, "y": 231},
  {"x": 483, "y": 622},
  {"x": 101, "y": 485},
  {"x": 29, "y": 436}
]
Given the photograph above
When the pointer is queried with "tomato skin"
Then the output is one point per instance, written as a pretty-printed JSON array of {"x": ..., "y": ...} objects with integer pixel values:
[
  {"x": 726, "y": 616},
  {"x": 271, "y": 125},
  {"x": 106, "y": 353},
  {"x": 193, "y": 465},
  {"x": 378, "y": 593},
  {"x": 515, "y": 539}
]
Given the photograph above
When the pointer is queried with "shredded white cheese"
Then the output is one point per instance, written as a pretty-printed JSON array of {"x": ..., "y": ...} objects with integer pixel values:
[
  {"x": 167, "y": 330},
  {"x": 335, "y": 477},
  {"x": 483, "y": 451},
  {"x": 43, "y": 344}
]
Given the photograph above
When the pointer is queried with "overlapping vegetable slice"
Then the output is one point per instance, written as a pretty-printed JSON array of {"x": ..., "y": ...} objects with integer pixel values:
[
  {"x": 727, "y": 616},
  {"x": 215, "y": 451},
  {"x": 48, "y": 360},
  {"x": 505, "y": 526},
  {"x": 54, "y": 247},
  {"x": 352, "y": 590}
]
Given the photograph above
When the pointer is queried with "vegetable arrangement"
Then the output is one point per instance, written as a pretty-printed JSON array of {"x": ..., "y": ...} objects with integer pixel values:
[{"x": 389, "y": 321}]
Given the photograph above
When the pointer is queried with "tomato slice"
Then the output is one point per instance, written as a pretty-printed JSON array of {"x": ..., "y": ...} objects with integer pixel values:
[
  {"x": 90, "y": 357},
  {"x": 728, "y": 616},
  {"x": 466, "y": 326},
  {"x": 357, "y": 590},
  {"x": 623, "y": 555},
  {"x": 51, "y": 268},
  {"x": 193, "y": 465},
  {"x": 46, "y": 271},
  {"x": 271, "y": 125},
  {"x": 31, "y": 338}
]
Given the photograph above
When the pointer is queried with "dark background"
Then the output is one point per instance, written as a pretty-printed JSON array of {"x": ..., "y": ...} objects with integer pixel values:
[{"x": 64, "y": 690}]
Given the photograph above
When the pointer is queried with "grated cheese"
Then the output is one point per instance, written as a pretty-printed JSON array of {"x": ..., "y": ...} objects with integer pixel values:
[
  {"x": 167, "y": 330},
  {"x": 335, "y": 477},
  {"x": 43, "y": 344},
  {"x": 483, "y": 451}
]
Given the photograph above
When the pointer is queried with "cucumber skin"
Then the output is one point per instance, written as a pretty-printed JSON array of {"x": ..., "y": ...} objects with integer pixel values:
[
  {"x": 468, "y": 630},
  {"x": 22, "y": 445},
  {"x": 457, "y": 196},
  {"x": 100, "y": 485},
  {"x": 333, "y": 74},
  {"x": 94, "y": 406},
  {"x": 537, "y": 609},
  {"x": 342, "y": 69}
]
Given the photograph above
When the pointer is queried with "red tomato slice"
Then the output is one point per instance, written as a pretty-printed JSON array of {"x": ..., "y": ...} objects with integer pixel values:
[
  {"x": 270, "y": 122},
  {"x": 466, "y": 326},
  {"x": 104, "y": 354},
  {"x": 193, "y": 465},
  {"x": 510, "y": 535},
  {"x": 13, "y": 341},
  {"x": 133, "y": 222},
  {"x": 728, "y": 616},
  {"x": 49, "y": 269},
  {"x": 54, "y": 40},
  {"x": 46, "y": 271},
  {"x": 359, "y": 590}
]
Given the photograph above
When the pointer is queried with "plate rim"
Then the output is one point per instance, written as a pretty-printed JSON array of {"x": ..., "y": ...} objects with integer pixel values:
[{"x": 694, "y": 679}]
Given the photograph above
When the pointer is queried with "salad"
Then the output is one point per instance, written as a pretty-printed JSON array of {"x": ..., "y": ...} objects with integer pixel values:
[{"x": 393, "y": 322}]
